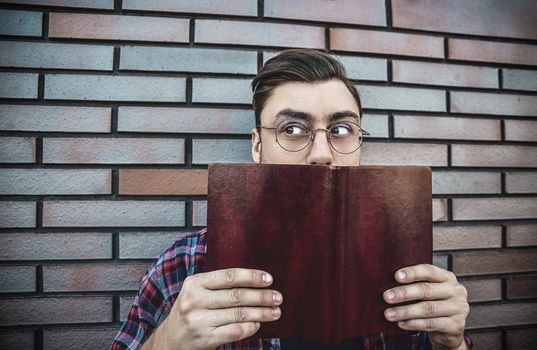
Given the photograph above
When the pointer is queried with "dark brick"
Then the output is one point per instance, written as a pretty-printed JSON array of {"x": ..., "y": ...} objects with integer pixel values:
[
  {"x": 17, "y": 340},
  {"x": 17, "y": 214},
  {"x": 18, "y": 85},
  {"x": 483, "y": 289},
  {"x": 125, "y": 304},
  {"x": 486, "y": 340},
  {"x": 521, "y": 339},
  {"x": 27, "y": 23},
  {"x": 510, "y": 314},
  {"x": 495, "y": 262},
  {"x": 17, "y": 279},
  {"x": 79, "y": 338},
  {"x": 521, "y": 287},
  {"x": 162, "y": 182},
  {"x": 521, "y": 235},
  {"x": 519, "y": 79}
]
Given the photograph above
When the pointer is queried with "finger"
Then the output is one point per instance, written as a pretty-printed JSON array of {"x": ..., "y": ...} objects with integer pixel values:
[
  {"x": 423, "y": 272},
  {"x": 449, "y": 325},
  {"x": 241, "y": 314},
  {"x": 235, "y": 277},
  {"x": 424, "y": 309},
  {"x": 418, "y": 291},
  {"x": 234, "y": 332},
  {"x": 227, "y": 298}
]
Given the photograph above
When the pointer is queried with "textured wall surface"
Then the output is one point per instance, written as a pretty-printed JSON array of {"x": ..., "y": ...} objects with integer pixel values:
[{"x": 110, "y": 112}]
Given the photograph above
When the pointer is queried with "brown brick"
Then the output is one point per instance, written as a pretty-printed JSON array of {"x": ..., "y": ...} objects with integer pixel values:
[
  {"x": 440, "y": 260},
  {"x": 488, "y": 51},
  {"x": 521, "y": 339},
  {"x": 17, "y": 340},
  {"x": 521, "y": 130},
  {"x": 440, "y": 209},
  {"x": 483, "y": 289},
  {"x": 162, "y": 182},
  {"x": 199, "y": 213},
  {"x": 495, "y": 262},
  {"x": 521, "y": 182},
  {"x": 146, "y": 245},
  {"x": 17, "y": 150},
  {"x": 113, "y": 213},
  {"x": 493, "y": 156},
  {"x": 205, "y": 151},
  {"x": 114, "y": 88},
  {"x": 378, "y": 153},
  {"x": 55, "y": 181},
  {"x": 17, "y": 279},
  {"x": 55, "y": 246},
  {"x": 481, "y": 17},
  {"x": 446, "y": 128},
  {"x": 79, "y": 338},
  {"x": 494, "y": 208},
  {"x": 229, "y": 7},
  {"x": 521, "y": 287},
  {"x": 55, "y": 118},
  {"x": 125, "y": 304},
  {"x": 466, "y": 182},
  {"x": 118, "y": 27},
  {"x": 486, "y": 340},
  {"x": 359, "y": 40},
  {"x": 258, "y": 34},
  {"x": 509, "y": 314},
  {"x": 17, "y": 214},
  {"x": 466, "y": 237},
  {"x": 519, "y": 79},
  {"x": 493, "y": 103},
  {"x": 97, "y": 4},
  {"x": 26, "y": 23},
  {"x": 221, "y": 90},
  {"x": 518, "y": 235},
  {"x": 113, "y": 150},
  {"x": 80, "y": 278},
  {"x": 376, "y": 125},
  {"x": 368, "y": 12},
  {"x": 402, "y": 98},
  {"x": 444, "y": 74},
  {"x": 18, "y": 85}
]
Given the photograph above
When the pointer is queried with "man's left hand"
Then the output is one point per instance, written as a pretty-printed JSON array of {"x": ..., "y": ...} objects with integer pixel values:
[{"x": 440, "y": 307}]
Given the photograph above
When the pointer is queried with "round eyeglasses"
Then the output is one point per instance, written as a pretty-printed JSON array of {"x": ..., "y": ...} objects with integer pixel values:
[{"x": 294, "y": 135}]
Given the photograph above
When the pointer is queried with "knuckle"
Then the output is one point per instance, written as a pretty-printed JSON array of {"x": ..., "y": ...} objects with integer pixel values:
[
  {"x": 187, "y": 302},
  {"x": 403, "y": 292},
  {"x": 229, "y": 276},
  {"x": 266, "y": 297},
  {"x": 451, "y": 276},
  {"x": 429, "y": 309},
  {"x": 235, "y": 295},
  {"x": 461, "y": 290},
  {"x": 236, "y": 333},
  {"x": 239, "y": 314},
  {"x": 405, "y": 312},
  {"x": 426, "y": 290},
  {"x": 430, "y": 324},
  {"x": 253, "y": 277}
]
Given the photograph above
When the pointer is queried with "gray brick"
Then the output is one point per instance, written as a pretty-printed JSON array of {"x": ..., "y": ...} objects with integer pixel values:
[
  {"x": 205, "y": 151},
  {"x": 113, "y": 213},
  {"x": 27, "y": 23},
  {"x": 510, "y": 314},
  {"x": 125, "y": 304},
  {"x": 494, "y": 208},
  {"x": 440, "y": 260},
  {"x": 187, "y": 59},
  {"x": 519, "y": 182},
  {"x": 402, "y": 98},
  {"x": 483, "y": 290},
  {"x": 17, "y": 214},
  {"x": 199, "y": 213},
  {"x": 18, "y": 85},
  {"x": 461, "y": 182},
  {"x": 492, "y": 103},
  {"x": 365, "y": 68},
  {"x": 46, "y": 55},
  {"x": 145, "y": 245},
  {"x": 466, "y": 237},
  {"x": 493, "y": 156},
  {"x": 376, "y": 125},
  {"x": 114, "y": 88},
  {"x": 17, "y": 279},
  {"x": 521, "y": 130},
  {"x": 229, "y": 7},
  {"x": 520, "y": 79},
  {"x": 79, "y": 338},
  {"x": 98, "y": 4},
  {"x": 377, "y": 153},
  {"x": 17, "y": 340},
  {"x": 17, "y": 150},
  {"x": 55, "y": 246},
  {"x": 520, "y": 235},
  {"x": 221, "y": 90}
]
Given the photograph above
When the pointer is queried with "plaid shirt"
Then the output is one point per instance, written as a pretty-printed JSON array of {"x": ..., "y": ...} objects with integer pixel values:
[{"x": 161, "y": 286}]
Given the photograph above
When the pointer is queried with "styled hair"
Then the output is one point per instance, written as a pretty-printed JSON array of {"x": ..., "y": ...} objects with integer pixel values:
[{"x": 297, "y": 65}]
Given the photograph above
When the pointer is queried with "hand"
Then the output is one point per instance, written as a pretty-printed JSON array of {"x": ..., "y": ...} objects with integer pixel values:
[
  {"x": 218, "y": 307},
  {"x": 441, "y": 309}
]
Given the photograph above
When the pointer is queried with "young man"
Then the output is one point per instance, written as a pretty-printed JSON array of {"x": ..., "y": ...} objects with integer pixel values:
[{"x": 307, "y": 112}]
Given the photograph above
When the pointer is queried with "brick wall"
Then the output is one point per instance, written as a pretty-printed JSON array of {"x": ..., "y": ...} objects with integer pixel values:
[{"x": 110, "y": 112}]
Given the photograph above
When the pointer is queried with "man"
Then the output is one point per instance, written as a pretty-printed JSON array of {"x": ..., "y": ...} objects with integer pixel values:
[{"x": 305, "y": 108}]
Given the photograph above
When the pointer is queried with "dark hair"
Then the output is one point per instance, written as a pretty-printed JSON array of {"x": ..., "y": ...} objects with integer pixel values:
[{"x": 297, "y": 65}]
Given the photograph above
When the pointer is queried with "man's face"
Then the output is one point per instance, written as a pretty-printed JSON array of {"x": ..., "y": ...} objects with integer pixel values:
[{"x": 321, "y": 104}]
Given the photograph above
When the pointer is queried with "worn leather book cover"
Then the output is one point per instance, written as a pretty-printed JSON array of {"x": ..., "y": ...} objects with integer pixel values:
[{"x": 332, "y": 237}]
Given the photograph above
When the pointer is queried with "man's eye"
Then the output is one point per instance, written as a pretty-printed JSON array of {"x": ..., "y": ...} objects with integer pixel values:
[
  {"x": 341, "y": 130},
  {"x": 295, "y": 130}
]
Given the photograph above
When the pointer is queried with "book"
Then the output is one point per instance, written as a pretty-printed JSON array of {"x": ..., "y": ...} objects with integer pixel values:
[{"x": 332, "y": 238}]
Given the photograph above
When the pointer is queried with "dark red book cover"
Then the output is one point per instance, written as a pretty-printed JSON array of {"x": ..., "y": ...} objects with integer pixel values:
[{"x": 332, "y": 237}]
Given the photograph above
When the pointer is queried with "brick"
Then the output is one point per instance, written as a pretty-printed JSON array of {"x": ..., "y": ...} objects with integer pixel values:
[
  {"x": 125, "y": 304},
  {"x": 519, "y": 79},
  {"x": 65, "y": 56},
  {"x": 55, "y": 181},
  {"x": 205, "y": 151},
  {"x": 510, "y": 314},
  {"x": 481, "y": 17},
  {"x": 466, "y": 182},
  {"x": 25, "y": 23},
  {"x": 118, "y": 27},
  {"x": 162, "y": 182},
  {"x": 521, "y": 130},
  {"x": 17, "y": 150},
  {"x": 379, "y": 153},
  {"x": 15, "y": 279},
  {"x": 493, "y": 156},
  {"x": 483, "y": 289},
  {"x": 402, "y": 98},
  {"x": 488, "y": 51},
  {"x": 440, "y": 261},
  {"x": 128, "y": 213},
  {"x": 187, "y": 59},
  {"x": 386, "y": 43},
  {"x": 495, "y": 262},
  {"x": 258, "y": 34},
  {"x": 80, "y": 278},
  {"x": 492, "y": 103},
  {"x": 114, "y": 88},
  {"x": 466, "y": 237},
  {"x": 229, "y": 7},
  {"x": 494, "y": 208},
  {"x": 199, "y": 213},
  {"x": 55, "y": 246},
  {"x": 519, "y": 235},
  {"x": 368, "y": 12},
  {"x": 486, "y": 340},
  {"x": 79, "y": 338},
  {"x": 17, "y": 340},
  {"x": 521, "y": 182},
  {"x": 521, "y": 339},
  {"x": 97, "y": 4},
  {"x": 521, "y": 287},
  {"x": 146, "y": 245},
  {"x": 440, "y": 209},
  {"x": 444, "y": 74},
  {"x": 55, "y": 310},
  {"x": 55, "y": 118},
  {"x": 17, "y": 214},
  {"x": 407, "y": 126},
  {"x": 18, "y": 85},
  {"x": 376, "y": 125},
  {"x": 221, "y": 90},
  {"x": 365, "y": 68},
  {"x": 186, "y": 120},
  {"x": 113, "y": 150}
]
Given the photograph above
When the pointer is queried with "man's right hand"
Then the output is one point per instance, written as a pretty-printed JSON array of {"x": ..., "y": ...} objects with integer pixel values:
[{"x": 217, "y": 307}]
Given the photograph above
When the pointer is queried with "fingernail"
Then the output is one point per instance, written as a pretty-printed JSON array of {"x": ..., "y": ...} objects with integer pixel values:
[
  {"x": 401, "y": 275},
  {"x": 276, "y": 297},
  {"x": 257, "y": 325},
  {"x": 391, "y": 313},
  {"x": 401, "y": 324},
  {"x": 267, "y": 278},
  {"x": 390, "y": 294},
  {"x": 276, "y": 312}
]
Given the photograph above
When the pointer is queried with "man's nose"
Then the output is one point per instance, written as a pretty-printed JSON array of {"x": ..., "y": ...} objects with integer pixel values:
[{"x": 320, "y": 152}]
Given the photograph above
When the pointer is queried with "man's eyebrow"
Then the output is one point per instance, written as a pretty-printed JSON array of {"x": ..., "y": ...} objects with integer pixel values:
[
  {"x": 291, "y": 113},
  {"x": 343, "y": 114}
]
